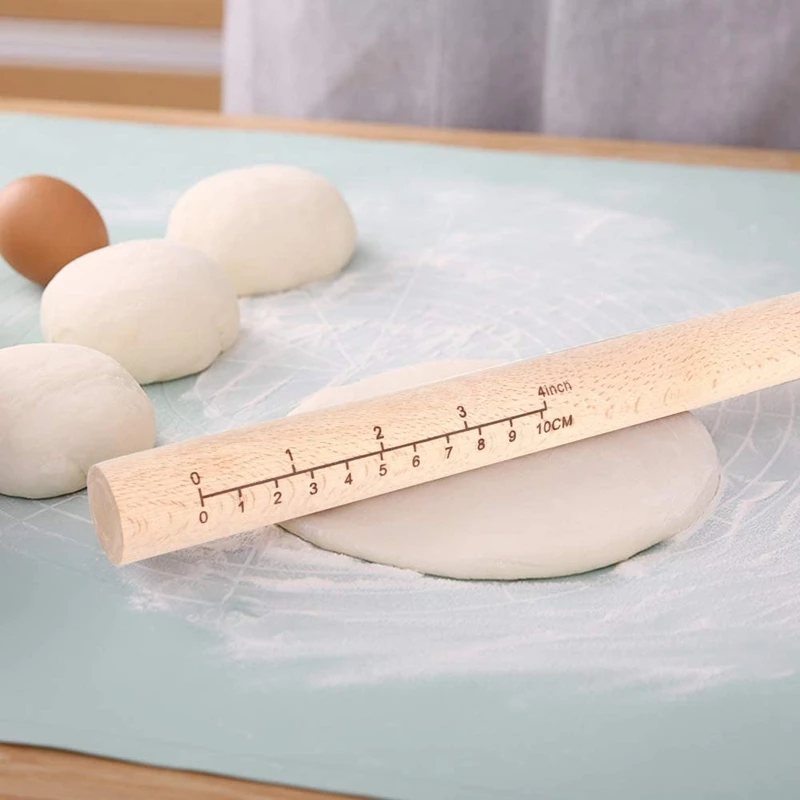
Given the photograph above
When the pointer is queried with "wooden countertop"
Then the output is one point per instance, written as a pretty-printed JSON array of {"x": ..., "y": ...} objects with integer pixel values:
[
  {"x": 28, "y": 773},
  {"x": 204, "y": 14},
  {"x": 32, "y": 773},
  {"x": 745, "y": 158}
]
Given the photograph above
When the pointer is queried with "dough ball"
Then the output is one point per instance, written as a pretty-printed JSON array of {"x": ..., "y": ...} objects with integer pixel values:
[
  {"x": 62, "y": 409},
  {"x": 162, "y": 309},
  {"x": 44, "y": 224},
  {"x": 571, "y": 509},
  {"x": 272, "y": 227}
]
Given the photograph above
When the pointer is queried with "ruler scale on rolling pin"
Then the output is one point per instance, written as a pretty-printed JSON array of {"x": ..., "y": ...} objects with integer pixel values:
[{"x": 196, "y": 491}]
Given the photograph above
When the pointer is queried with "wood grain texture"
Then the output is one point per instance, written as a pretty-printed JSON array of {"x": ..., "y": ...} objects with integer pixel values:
[
  {"x": 488, "y": 140},
  {"x": 169, "y": 90},
  {"x": 29, "y": 773},
  {"x": 205, "y": 14},
  {"x": 180, "y": 495}
]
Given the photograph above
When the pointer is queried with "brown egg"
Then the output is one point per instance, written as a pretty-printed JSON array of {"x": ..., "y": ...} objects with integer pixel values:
[{"x": 44, "y": 224}]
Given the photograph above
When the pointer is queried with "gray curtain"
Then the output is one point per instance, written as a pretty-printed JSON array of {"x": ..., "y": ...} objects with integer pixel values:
[{"x": 706, "y": 71}]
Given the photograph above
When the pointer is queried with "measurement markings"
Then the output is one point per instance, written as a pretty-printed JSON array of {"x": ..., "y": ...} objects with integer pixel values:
[{"x": 373, "y": 453}]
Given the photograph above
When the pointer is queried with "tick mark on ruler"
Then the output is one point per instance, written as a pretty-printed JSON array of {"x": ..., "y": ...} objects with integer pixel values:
[{"x": 372, "y": 453}]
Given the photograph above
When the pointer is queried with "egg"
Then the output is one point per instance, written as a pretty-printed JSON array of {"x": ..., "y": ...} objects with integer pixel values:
[{"x": 44, "y": 224}]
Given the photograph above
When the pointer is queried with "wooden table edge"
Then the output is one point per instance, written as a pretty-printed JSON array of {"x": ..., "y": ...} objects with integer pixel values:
[
  {"x": 703, "y": 155},
  {"x": 40, "y": 773},
  {"x": 61, "y": 769}
]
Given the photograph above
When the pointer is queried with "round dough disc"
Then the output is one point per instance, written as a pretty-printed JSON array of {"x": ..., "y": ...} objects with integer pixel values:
[
  {"x": 163, "y": 310},
  {"x": 272, "y": 227},
  {"x": 64, "y": 408},
  {"x": 567, "y": 510}
]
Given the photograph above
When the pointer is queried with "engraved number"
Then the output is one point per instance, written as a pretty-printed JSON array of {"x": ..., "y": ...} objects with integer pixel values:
[
  {"x": 195, "y": 478},
  {"x": 277, "y": 500},
  {"x": 378, "y": 432},
  {"x": 313, "y": 488},
  {"x": 512, "y": 435},
  {"x": 349, "y": 478},
  {"x": 481, "y": 444},
  {"x": 448, "y": 450},
  {"x": 204, "y": 517},
  {"x": 382, "y": 471},
  {"x": 462, "y": 412},
  {"x": 415, "y": 461}
]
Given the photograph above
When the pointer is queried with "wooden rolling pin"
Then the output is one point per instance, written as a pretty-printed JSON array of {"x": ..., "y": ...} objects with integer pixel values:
[{"x": 196, "y": 491}]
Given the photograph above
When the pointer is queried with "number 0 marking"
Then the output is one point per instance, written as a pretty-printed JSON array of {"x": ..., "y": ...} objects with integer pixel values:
[
  {"x": 544, "y": 426},
  {"x": 203, "y": 517}
]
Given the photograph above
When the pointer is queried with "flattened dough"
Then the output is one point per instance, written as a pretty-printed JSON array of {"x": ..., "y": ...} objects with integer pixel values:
[{"x": 567, "y": 510}]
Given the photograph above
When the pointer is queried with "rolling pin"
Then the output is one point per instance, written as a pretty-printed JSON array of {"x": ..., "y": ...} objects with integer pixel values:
[{"x": 196, "y": 491}]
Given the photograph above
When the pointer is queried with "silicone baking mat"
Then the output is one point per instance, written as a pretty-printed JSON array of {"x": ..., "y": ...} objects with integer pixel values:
[{"x": 673, "y": 674}]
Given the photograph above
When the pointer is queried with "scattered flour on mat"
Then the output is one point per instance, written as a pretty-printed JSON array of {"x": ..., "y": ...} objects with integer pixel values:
[
  {"x": 679, "y": 617},
  {"x": 477, "y": 271},
  {"x": 682, "y": 616}
]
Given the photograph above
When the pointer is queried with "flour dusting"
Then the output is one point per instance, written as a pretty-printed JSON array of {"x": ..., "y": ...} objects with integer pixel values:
[
  {"x": 439, "y": 277},
  {"x": 677, "y": 616}
]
